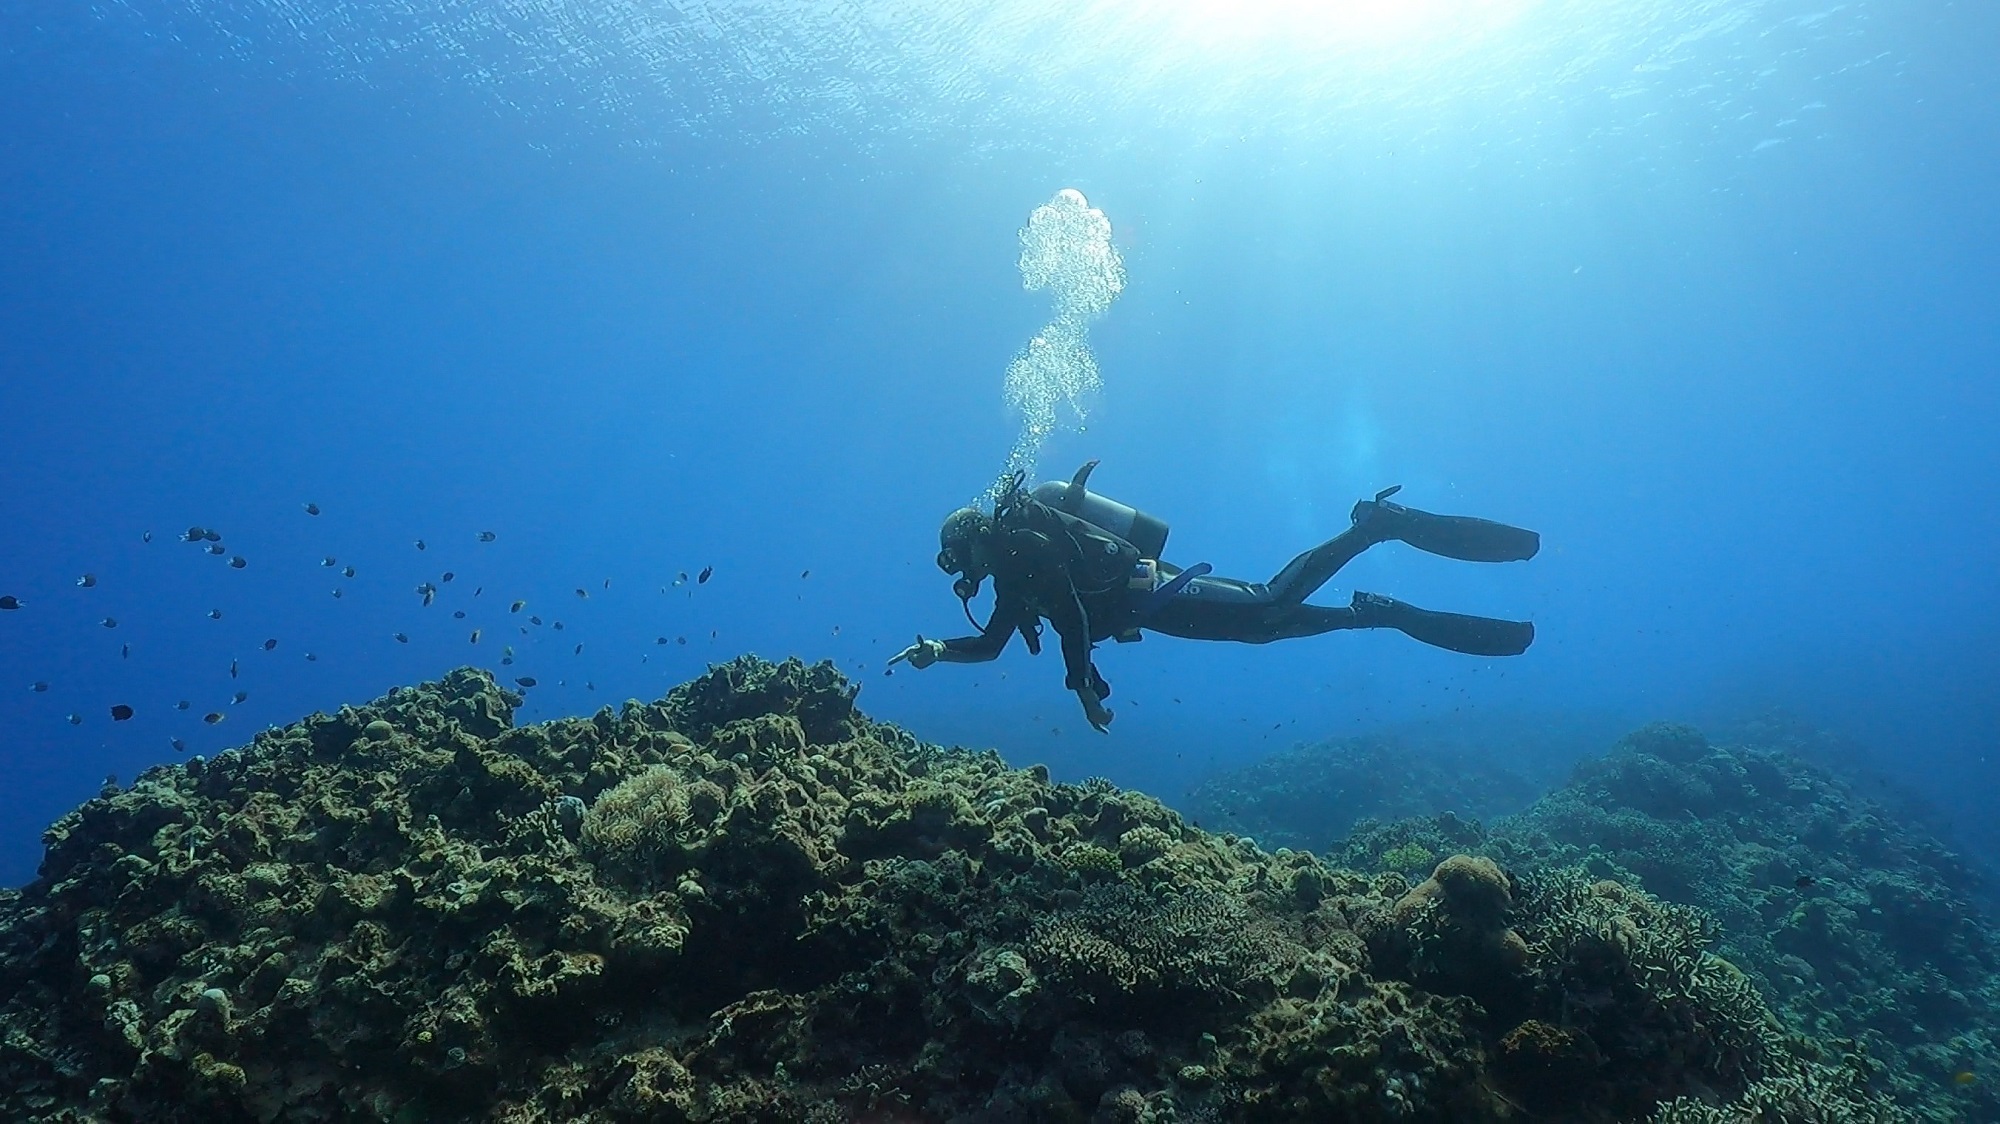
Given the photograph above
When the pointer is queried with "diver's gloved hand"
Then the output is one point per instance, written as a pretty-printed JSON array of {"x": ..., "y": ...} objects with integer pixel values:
[
  {"x": 920, "y": 655},
  {"x": 1094, "y": 710}
]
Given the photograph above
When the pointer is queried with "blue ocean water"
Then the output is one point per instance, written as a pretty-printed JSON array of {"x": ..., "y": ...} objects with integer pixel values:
[{"x": 1703, "y": 292}]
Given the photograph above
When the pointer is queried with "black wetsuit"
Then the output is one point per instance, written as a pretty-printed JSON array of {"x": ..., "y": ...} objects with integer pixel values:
[
  {"x": 1052, "y": 565},
  {"x": 1078, "y": 576}
]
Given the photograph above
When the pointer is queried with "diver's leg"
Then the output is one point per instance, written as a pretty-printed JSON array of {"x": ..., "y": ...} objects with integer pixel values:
[
  {"x": 1378, "y": 520},
  {"x": 1302, "y": 576},
  {"x": 1232, "y": 610},
  {"x": 1454, "y": 536},
  {"x": 1211, "y": 608}
]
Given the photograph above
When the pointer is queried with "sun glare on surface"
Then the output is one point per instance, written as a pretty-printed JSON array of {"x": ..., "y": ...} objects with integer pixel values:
[{"x": 1337, "y": 26}]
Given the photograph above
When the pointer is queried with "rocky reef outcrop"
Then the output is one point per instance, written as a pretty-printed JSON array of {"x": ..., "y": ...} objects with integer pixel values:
[
  {"x": 747, "y": 901},
  {"x": 1853, "y": 923}
]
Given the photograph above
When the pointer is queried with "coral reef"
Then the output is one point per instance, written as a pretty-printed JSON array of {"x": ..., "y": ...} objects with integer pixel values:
[
  {"x": 748, "y": 901},
  {"x": 1854, "y": 924}
]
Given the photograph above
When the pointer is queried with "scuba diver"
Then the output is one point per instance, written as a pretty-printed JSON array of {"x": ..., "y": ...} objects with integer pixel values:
[{"x": 1092, "y": 567}]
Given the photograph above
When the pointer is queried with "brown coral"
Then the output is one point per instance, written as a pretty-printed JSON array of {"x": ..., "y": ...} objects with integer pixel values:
[
  {"x": 743, "y": 902},
  {"x": 1548, "y": 1067},
  {"x": 1449, "y": 933}
]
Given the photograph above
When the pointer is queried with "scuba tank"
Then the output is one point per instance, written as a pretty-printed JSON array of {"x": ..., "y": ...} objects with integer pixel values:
[{"x": 1146, "y": 532}]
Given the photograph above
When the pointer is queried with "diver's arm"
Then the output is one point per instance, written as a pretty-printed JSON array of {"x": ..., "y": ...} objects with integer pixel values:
[
  {"x": 1000, "y": 628},
  {"x": 973, "y": 649},
  {"x": 1072, "y": 624}
]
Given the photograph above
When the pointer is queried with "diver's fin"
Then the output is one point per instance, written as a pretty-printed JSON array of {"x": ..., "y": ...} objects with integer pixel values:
[
  {"x": 1453, "y": 536},
  {"x": 1474, "y": 636}
]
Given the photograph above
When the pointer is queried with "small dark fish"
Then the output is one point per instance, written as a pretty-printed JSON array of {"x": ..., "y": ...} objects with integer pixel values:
[
  {"x": 339, "y": 593},
  {"x": 38, "y": 687},
  {"x": 589, "y": 686},
  {"x": 347, "y": 571},
  {"x": 212, "y": 535},
  {"x": 525, "y": 680},
  {"x": 194, "y": 534},
  {"x": 458, "y": 614},
  {"x": 87, "y": 581},
  {"x": 121, "y": 713},
  {"x": 707, "y": 572},
  {"x": 124, "y": 651},
  {"x": 506, "y": 661},
  {"x": 147, "y": 537},
  {"x": 213, "y": 717},
  {"x": 711, "y": 634},
  {"x": 475, "y": 636},
  {"x": 179, "y": 745},
  {"x": 584, "y": 594},
  {"x": 238, "y": 697},
  {"x": 312, "y": 509},
  {"x": 402, "y": 639},
  {"x": 420, "y": 544},
  {"x": 271, "y": 645},
  {"x": 681, "y": 640},
  {"x": 182, "y": 705},
  {"x": 607, "y": 583},
  {"x": 478, "y": 589},
  {"x": 487, "y": 536},
  {"x": 579, "y": 650},
  {"x": 681, "y": 578},
  {"x": 218, "y": 550},
  {"x": 232, "y": 669},
  {"x": 836, "y": 630},
  {"x": 660, "y": 640},
  {"x": 804, "y": 574},
  {"x": 9, "y": 602},
  {"x": 310, "y": 658},
  {"x": 215, "y": 614},
  {"x": 448, "y": 575},
  {"x": 109, "y": 622},
  {"x": 237, "y": 563},
  {"x": 559, "y": 626},
  {"x": 75, "y": 719},
  {"x": 517, "y": 606},
  {"x": 1805, "y": 881},
  {"x": 534, "y": 620},
  {"x": 329, "y": 561}
]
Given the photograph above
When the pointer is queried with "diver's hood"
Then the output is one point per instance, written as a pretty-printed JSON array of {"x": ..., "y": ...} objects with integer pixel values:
[{"x": 961, "y": 529}]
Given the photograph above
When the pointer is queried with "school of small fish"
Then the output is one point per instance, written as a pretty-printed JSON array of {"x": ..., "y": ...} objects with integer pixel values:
[{"x": 210, "y": 543}]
